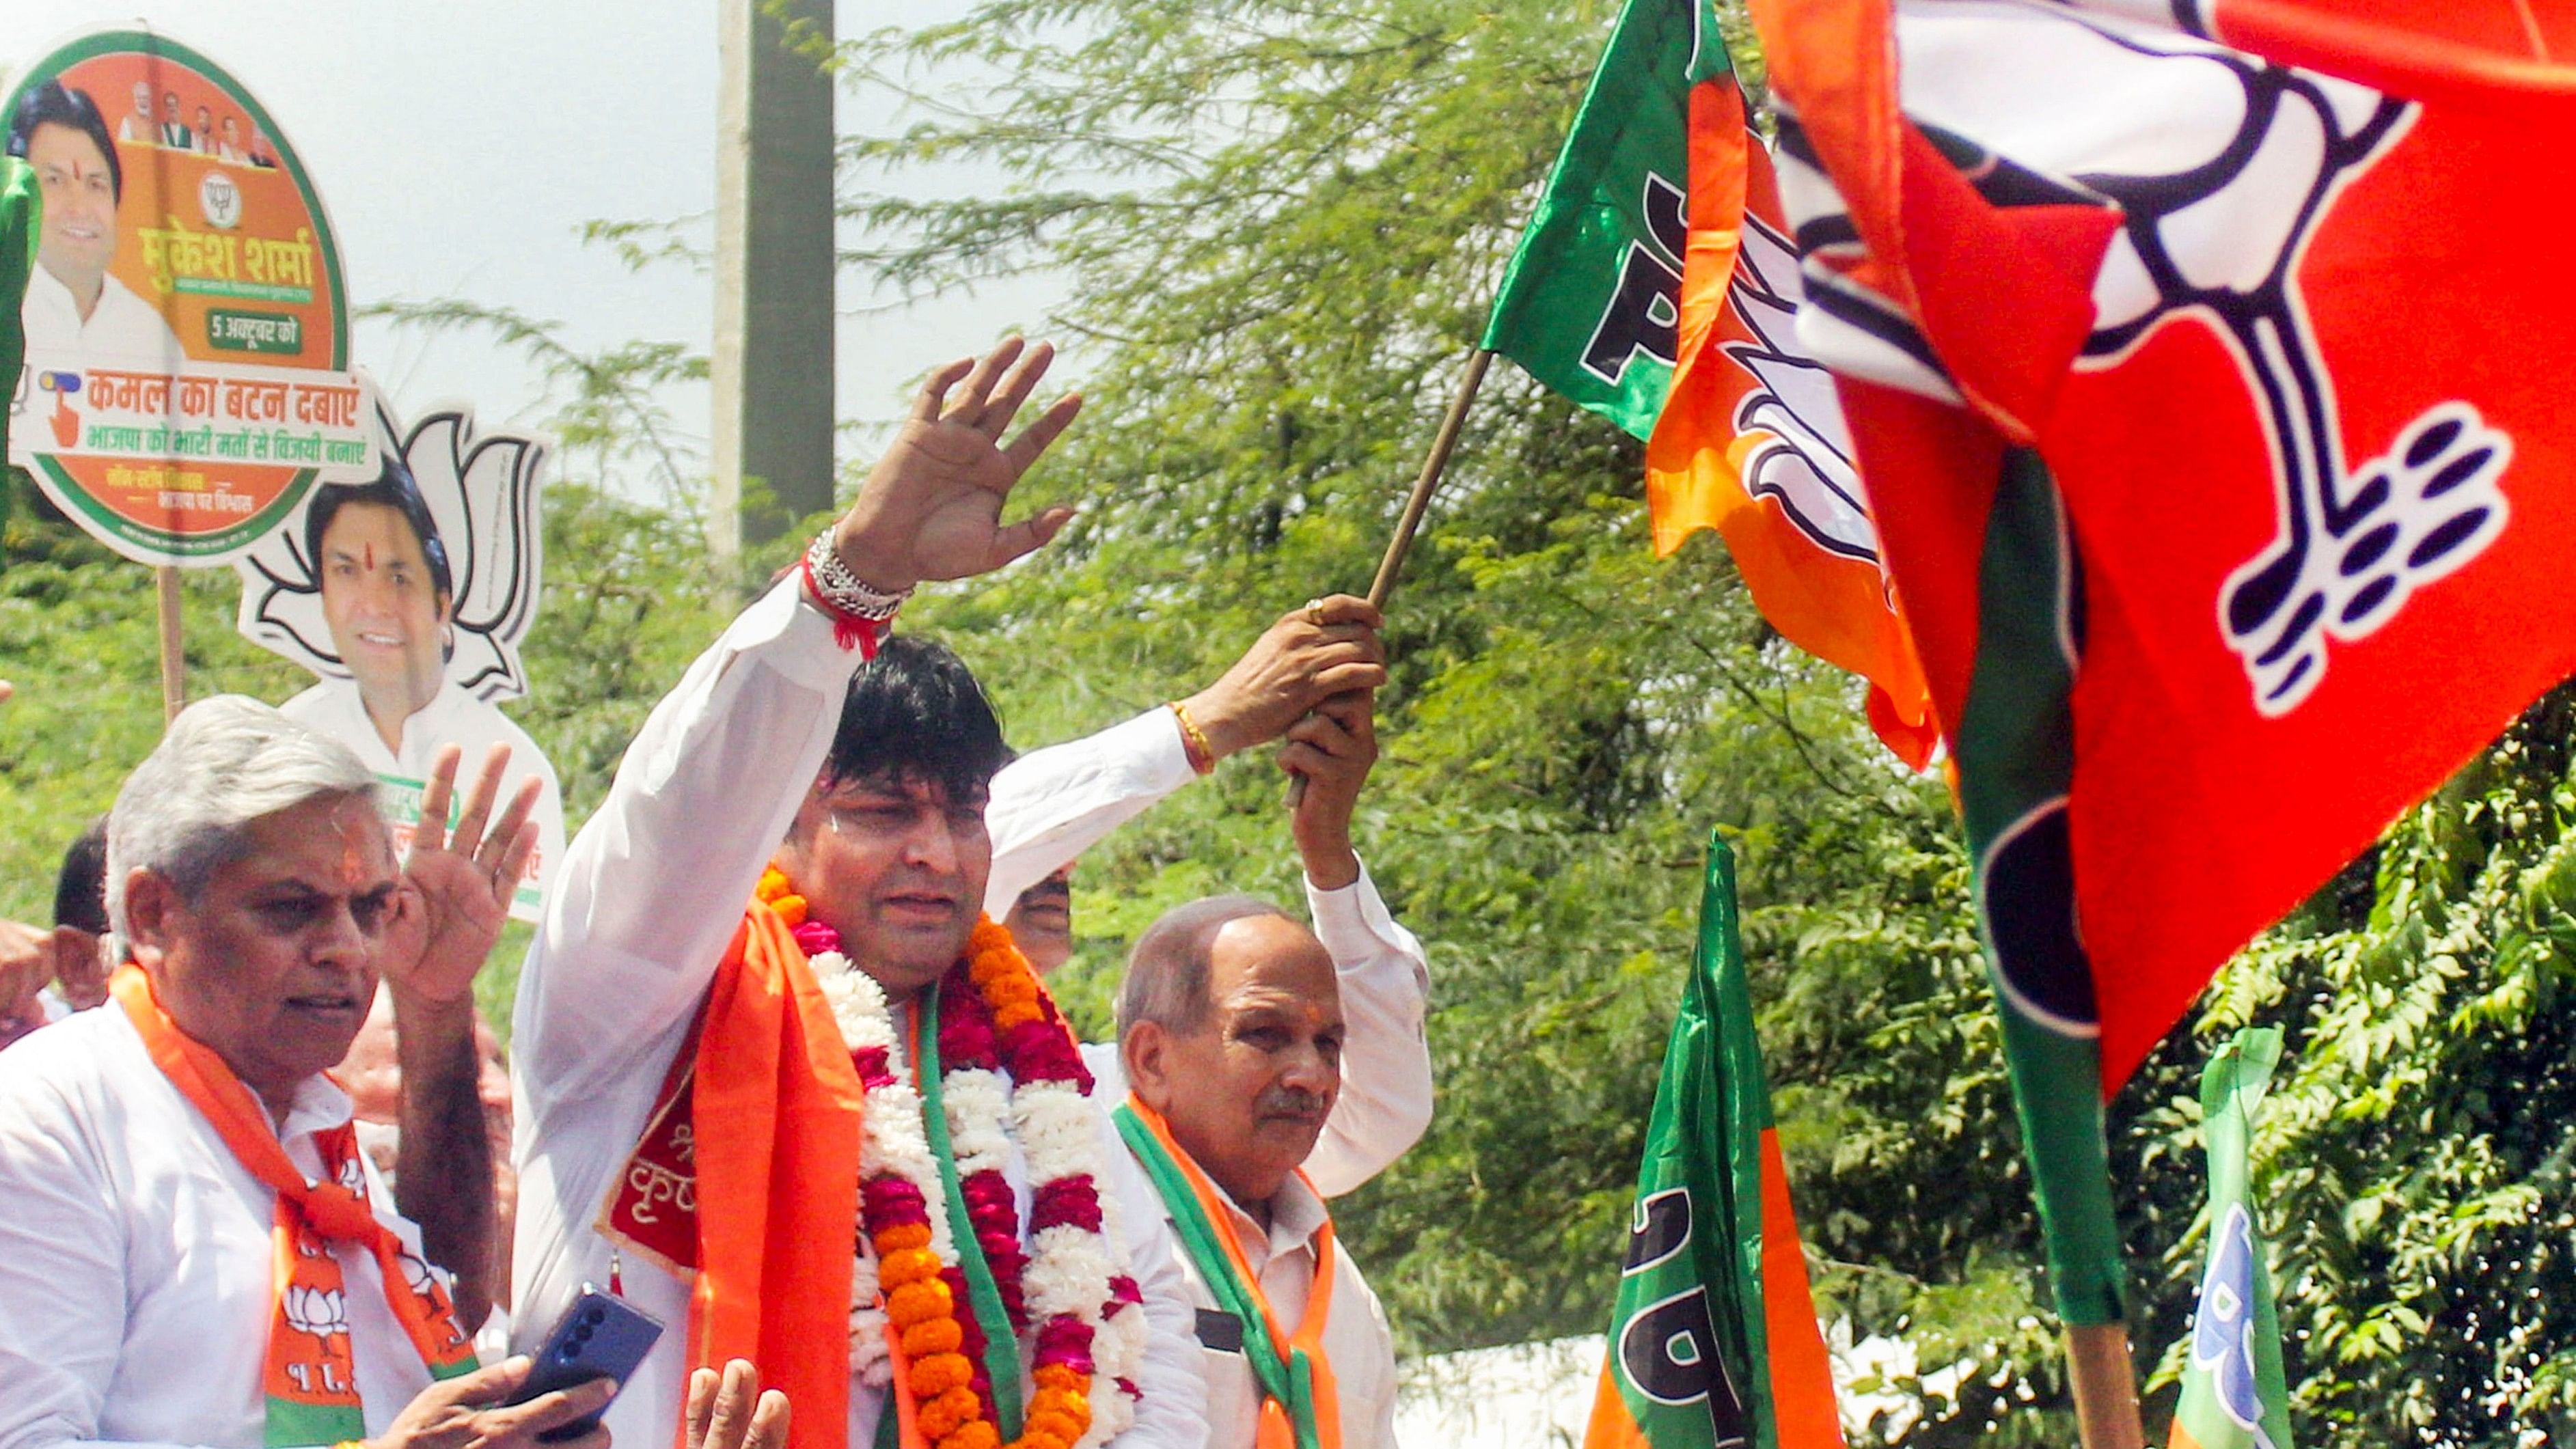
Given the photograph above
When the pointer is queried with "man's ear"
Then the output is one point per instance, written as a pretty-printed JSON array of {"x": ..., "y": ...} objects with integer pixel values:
[
  {"x": 1146, "y": 1050},
  {"x": 150, "y": 902}
]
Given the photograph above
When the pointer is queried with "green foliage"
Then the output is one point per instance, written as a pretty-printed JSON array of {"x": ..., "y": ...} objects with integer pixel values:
[{"x": 1282, "y": 221}]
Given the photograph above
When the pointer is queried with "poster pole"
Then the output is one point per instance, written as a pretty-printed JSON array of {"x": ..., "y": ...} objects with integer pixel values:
[{"x": 174, "y": 665}]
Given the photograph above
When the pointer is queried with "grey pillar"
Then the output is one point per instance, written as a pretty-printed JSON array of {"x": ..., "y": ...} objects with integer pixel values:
[{"x": 772, "y": 364}]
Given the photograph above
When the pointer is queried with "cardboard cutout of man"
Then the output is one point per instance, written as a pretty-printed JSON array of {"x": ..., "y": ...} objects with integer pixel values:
[{"x": 408, "y": 594}]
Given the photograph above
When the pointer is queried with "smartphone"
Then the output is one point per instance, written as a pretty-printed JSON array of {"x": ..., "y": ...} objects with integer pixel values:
[{"x": 601, "y": 1336}]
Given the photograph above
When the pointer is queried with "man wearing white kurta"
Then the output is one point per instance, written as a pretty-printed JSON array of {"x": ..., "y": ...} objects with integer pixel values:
[
  {"x": 730, "y": 765},
  {"x": 1232, "y": 1029},
  {"x": 1051, "y": 805},
  {"x": 143, "y": 1144}
]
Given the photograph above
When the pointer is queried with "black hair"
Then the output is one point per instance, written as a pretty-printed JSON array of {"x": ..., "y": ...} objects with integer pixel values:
[
  {"x": 392, "y": 488},
  {"x": 80, "y": 891},
  {"x": 54, "y": 104},
  {"x": 915, "y": 714}
]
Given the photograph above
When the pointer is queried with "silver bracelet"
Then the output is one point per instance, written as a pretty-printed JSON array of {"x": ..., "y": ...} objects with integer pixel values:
[{"x": 844, "y": 592}]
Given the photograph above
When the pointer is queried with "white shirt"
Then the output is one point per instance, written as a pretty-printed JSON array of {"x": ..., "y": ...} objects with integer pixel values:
[
  {"x": 635, "y": 922},
  {"x": 452, "y": 717},
  {"x": 1050, "y": 805},
  {"x": 1356, "y": 1337},
  {"x": 122, "y": 330},
  {"x": 135, "y": 1254}
]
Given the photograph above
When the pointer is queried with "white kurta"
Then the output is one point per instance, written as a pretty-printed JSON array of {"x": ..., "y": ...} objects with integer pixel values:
[
  {"x": 135, "y": 1257},
  {"x": 452, "y": 717},
  {"x": 122, "y": 330},
  {"x": 1356, "y": 1337},
  {"x": 649, "y": 894},
  {"x": 1051, "y": 805}
]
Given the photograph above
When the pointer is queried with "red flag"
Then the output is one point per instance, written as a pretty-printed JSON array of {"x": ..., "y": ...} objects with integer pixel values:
[{"x": 2289, "y": 342}]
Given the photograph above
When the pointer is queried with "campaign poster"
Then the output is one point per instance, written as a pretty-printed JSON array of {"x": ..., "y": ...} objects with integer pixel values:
[
  {"x": 186, "y": 378},
  {"x": 407, "y": 592}
]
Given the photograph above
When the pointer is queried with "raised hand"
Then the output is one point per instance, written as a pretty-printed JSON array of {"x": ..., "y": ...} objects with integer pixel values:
[
  {"x": 1331, "y": 751},
  {"x": 932, "y": 506},
  {"x": 1328, "y": 647},
  {"x": 456, "y": 890}
]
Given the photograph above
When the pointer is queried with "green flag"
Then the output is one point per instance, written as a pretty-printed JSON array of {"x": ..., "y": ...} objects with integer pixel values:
[
  {"x": 22, "y": 209},
  {"x": 1713, "y": 1341},
  {"x": 2234, "y": 1395},
  {"x": 1591, "y": 302}
]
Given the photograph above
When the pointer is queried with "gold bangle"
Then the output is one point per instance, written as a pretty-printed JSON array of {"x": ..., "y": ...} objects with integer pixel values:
[{"x": 1194, "y": 741}]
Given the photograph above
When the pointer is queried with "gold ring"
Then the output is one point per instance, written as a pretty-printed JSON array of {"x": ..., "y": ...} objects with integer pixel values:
[{"x": 1315, "y": 612}]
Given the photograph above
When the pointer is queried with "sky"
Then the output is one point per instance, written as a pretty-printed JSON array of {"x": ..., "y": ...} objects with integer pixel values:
[{"x": 459, "y": 147}]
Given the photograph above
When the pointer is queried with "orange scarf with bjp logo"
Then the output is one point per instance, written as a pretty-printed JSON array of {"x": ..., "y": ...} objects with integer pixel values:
[{"x": 311, "y": 1375}]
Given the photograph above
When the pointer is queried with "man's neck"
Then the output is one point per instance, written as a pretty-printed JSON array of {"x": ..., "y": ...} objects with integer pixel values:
[{"x": 389, "y": 717}]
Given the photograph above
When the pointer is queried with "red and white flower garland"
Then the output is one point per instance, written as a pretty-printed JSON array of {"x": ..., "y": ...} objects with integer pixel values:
[{"x": 1089, "y": 1338}]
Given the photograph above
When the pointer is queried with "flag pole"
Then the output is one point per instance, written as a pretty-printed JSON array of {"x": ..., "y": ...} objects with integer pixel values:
[
  {"x": 2106, "y": 1387},
  {"x": 1432, "y": 467},
  {"x": 1417, "y": 503}
]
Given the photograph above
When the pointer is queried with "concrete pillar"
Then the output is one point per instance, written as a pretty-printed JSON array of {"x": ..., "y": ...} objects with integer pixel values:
[{"x": 772, "y": 363}]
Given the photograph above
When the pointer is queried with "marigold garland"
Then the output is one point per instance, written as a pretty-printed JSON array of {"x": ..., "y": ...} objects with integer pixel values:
[{"x": 1089, "y": 1338}]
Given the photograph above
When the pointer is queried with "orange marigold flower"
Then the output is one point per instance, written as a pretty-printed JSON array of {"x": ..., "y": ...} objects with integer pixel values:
[
  {"x": 950, "y": 1412},
  {"x": 939, "y": 1373},
  {"x": 1062, "y": 1377},
  {"x": 911, "y": 1265},
  {"x": 791, "y": 909},
  {"x": 903, "y": 1237},
  {"x": 1011, "y": 1016},
  {"x": 1056, "y": 1425},
  {"x": 977, "y": 1435},
  {"x": 914, "y": 1302},
  {"x": 937, "y": 1335},
  {"x": 773, "y": 884}
]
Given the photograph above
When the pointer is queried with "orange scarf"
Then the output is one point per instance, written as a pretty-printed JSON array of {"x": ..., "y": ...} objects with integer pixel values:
[
  {"x": 1299, "y": 1406},
  {"x": 748, "y": 1177},
  {"x": 311, "y": 1376}
]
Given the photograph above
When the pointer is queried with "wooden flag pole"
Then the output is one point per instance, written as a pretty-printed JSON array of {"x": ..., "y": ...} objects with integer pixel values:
[
  {"x": 1432, "y": 467},
  {"x": 174, "y": 665},
  {"x": 2106, "y": 1387},
  {"x": 1417, "y": 503}
]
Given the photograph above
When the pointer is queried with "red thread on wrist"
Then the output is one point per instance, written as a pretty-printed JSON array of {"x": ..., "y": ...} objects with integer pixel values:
[{"x": 850, "y": 631}]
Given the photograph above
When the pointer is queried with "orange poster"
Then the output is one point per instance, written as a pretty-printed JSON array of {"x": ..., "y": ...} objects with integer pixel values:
[{"x": 187, "y": 374}]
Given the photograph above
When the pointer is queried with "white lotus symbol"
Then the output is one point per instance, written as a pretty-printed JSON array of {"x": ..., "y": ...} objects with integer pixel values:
[{"x": 321, "y": 1312}]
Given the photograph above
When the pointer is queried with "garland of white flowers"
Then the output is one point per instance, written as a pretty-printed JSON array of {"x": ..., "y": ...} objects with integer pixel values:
[{"x": 1072, "y": 1271}]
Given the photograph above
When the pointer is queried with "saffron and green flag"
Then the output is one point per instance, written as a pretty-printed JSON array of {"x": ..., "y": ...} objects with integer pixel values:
[
  {"x": 1655, "y": 285},
  {"x": 2234, "y": 1394},
  {"x": 1713, "y": 1342}
]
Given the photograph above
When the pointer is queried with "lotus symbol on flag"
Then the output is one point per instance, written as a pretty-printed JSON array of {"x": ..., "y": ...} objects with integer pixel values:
[
  {"x": 1805, "y": 464},
  {"x": 2218, "y": 200},
  {"x": 321, "y": 1312}
]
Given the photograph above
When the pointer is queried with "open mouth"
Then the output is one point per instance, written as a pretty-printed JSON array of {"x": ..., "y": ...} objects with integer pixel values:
[
  {"x": 376, "y": 640},
  {"x": 920, "y": 907},
  {"x": 327, "y": 1004}
]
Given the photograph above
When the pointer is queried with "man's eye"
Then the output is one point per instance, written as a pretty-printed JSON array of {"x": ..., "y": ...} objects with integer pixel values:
[
  {"x": 1267, "y": 1038},
  {"x": 286, "y": 916},
  {"x": 369, "y": 912}
]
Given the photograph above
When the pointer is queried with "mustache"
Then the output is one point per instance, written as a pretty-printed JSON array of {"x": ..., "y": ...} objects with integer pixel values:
[{"x": 1292, "y": 1102}]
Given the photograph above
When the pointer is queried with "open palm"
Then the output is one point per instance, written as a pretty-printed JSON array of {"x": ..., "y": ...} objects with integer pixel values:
[
  {"x": 932, "y": 506},
  {"x": 457, "y": 886}
]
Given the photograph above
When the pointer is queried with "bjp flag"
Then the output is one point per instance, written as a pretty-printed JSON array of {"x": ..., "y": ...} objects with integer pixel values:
[
  {"x": 1713, "y": 1342},
  {"x": 2204, "y": 361},
  {"x": 1655, "y": 286}
]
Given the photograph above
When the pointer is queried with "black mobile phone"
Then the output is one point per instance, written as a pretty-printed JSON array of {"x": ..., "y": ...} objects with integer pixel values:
[{"x": 601, "y": 1336}]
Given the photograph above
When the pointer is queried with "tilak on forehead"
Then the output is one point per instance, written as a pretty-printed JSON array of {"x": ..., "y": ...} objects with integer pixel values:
[{"x": 353, "y": 858}]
